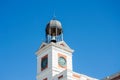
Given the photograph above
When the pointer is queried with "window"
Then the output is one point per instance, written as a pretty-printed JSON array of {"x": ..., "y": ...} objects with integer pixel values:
[
  {"x": 60, "y": 77},
  {"x": 44, "y": 62}
]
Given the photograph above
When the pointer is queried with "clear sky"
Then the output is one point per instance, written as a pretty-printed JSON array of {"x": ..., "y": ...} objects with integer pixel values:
[{"x": 91, "y": 28}]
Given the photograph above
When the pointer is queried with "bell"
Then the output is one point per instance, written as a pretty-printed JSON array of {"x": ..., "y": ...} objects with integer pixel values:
[{"x": 53, "y": 39}]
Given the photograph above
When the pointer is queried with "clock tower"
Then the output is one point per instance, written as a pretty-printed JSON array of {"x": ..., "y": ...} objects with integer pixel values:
[{"x": 54, "y": 57}]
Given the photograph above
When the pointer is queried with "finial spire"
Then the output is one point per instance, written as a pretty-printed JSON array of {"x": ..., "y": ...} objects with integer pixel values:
[{"x": 54, "y": 16}]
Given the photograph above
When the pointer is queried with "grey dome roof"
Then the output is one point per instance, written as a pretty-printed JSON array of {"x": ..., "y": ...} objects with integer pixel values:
[
  {"x": 54, "y": 23},
  {"x": 54, "y": 27}
]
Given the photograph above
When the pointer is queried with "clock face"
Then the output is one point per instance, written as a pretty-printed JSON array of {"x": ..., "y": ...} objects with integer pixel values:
[
  {"x": 44, "y": 63},
  {"x": 62, "y": 61}
]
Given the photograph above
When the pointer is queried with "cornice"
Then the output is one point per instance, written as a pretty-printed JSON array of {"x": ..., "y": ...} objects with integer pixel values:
[{"x": 55, "y": 45}]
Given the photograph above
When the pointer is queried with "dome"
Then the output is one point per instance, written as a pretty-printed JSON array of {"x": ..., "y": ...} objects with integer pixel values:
[
  {"x": 55, "y": 23},
  {"x": 54, "y": 28}
]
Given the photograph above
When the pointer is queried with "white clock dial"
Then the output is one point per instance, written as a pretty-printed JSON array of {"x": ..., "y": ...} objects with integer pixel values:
[{"x": 62, "y": 61}]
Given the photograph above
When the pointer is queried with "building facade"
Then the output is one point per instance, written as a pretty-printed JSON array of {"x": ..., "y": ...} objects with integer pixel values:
[{"x": 54, "y": 57}]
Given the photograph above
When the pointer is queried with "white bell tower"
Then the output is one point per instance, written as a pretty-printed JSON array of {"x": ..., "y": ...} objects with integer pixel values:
[{"x": 54, "y": 57}]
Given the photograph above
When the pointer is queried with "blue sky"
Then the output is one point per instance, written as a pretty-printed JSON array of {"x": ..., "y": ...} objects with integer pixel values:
[{"x": 91, "y": 28}]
